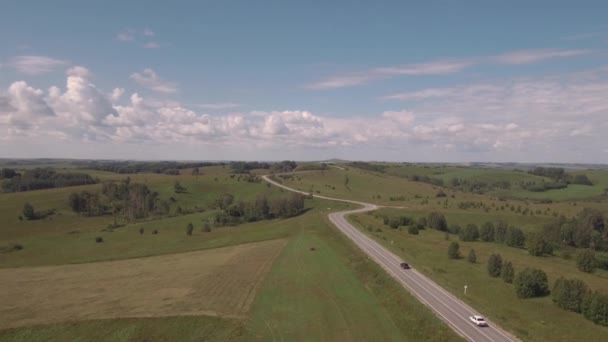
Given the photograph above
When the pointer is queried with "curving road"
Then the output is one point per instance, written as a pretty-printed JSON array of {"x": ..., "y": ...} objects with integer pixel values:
[{"x": 446, "y": 306}]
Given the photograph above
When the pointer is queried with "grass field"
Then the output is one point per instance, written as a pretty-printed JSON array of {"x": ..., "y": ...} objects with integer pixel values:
[
  {"x": 531, "y": 319},
  {"x": 218, "y": 282}
]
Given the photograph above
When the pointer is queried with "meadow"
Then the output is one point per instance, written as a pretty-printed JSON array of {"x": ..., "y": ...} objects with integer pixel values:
[{"x": 218, "y": 285}]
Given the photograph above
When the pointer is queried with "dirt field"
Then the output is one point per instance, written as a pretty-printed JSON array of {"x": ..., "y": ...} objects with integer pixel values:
[{"x": 220, "y": 282}]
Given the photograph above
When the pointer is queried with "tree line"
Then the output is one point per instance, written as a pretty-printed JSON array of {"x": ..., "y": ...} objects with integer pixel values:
[
  {"x": 245, "y": 167},
  {"x": 42, "y": 178},
  {"x": 124, "y": 167},
  {"x": 262, "y": 208}
]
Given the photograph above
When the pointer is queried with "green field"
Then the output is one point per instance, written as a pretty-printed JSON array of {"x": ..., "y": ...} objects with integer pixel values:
[
  {"x": 530, "y": 319},
  {"x": 332, "y": 293}
]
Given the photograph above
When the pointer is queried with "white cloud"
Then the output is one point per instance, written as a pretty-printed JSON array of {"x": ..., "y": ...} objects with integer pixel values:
[
  {"x": 150, "y": 79},
  {"x": 117, "y": 94},
  {"x": 34, "y": 65},
  {"x": 149, "y": 33},
  {"x": 517, "y": 118},
  {"x": 430, "y": 68},
  {"x": 126, "y": 36},
  {"x": 532, "y": 56},
  {"x": 151, "y": 45}
]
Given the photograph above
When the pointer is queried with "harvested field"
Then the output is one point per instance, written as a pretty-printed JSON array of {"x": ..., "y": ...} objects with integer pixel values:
[{"x": 220, "y": 282}]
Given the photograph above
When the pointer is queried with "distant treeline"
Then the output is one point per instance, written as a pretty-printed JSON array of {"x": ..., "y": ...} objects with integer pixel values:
[
  {"x": 589, "y": 229},
  {"x": 367, "y": 166},
  {"x": 560, "y": 175},
  {"x": 262, "y": 208},
  {"x": 37, "y": 179},
  {"x": 124, "y": 167},
  {"x": 245, "y": 167}
]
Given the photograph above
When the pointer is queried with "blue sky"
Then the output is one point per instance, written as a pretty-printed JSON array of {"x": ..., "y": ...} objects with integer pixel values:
[{"x": 407, "y": 81}]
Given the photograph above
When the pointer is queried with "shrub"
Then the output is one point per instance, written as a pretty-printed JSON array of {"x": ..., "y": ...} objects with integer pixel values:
[
  {"x": 494, "y": 265},
  {"x": 206, "y": 227},
  {"x": 500, "y": 232},
  {"x": 189, "y": 229},
  {"x": 531, "y": 283},
  {"x": 454, "y": 229},
  {"x": 595, "y": 308},
  {"x": 28, "y": 212},
  {"x": 585, "y": 261},
  {"x": 515, "y": 237},
  {"x": 437, "y": 221},
  {"x": 141, "y": 231},
  {"x": 472, "y": 257},
  {"x": 413, "y": 229},
  {"x": 507, "y": 273},
  {"x": 154, "y": 232},
  {"x": 454, "y": 250},
  {"x": 569, "y": 294},
  {"x": 99, "y": 239},
  {"x": 422, "y": 222}
]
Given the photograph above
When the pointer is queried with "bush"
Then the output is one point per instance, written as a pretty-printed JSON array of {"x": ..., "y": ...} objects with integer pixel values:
[
  {"x": 422, "y": 222},
  {"x": 507, "y": 273},
  {"x": 585, "y": 261},
  {"x": 500, "y": 232},
  {"x": 206, "y": 227},
  {"x": 470, "y": 233},
  {"x": 99, "y": 239},
  {"x": 141, "y": 231},
  {"x": 28, "y": 212},
  {"x": 413, "y": 229},
  {"x": 454, "y": 229},
  {"x": 531, "y": 283},
  {"x": 595, "y": 308},
  {"x": 189, "y": 229},
  {"x": 494, "y": 265},
  {"x": 154, "y": 232},
  {"x": 569, "y": 294},
  {"x": 437, "y": 221},
  {"x": 454, "y": 250},
  {"x": 472, "y": 257}
]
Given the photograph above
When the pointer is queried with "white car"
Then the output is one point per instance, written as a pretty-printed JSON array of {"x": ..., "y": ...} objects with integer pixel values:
[{"x": 479, "y": 321}]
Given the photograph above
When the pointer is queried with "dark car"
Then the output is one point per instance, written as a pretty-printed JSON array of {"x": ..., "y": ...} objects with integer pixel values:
[{"x": 405, "y": 265}]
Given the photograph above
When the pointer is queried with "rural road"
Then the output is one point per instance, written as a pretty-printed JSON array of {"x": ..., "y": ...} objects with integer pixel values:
[{"x": 446, "y": 306}]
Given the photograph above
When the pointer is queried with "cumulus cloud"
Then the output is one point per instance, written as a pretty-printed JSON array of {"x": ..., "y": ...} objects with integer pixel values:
[
  {"x": 150, "y": 79},
  {"x": 151, "y": 45},
  {"x": 510, "y": 117},
  {"x": 126, "y": 36},
  {"x": 35, "y": 65},
  {"x": 224, "y": 105}
]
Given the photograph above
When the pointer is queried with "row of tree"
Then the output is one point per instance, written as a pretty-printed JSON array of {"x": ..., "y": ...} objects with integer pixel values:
[
  {"x": 40, "y": 178},
  {"x": 568, "y": 294},
  {"x": 262, "y": 208},
  {"x": 123, "y": 199},
  {"x": 124, "y": 167},
  {"x": 589, "y": 229}
]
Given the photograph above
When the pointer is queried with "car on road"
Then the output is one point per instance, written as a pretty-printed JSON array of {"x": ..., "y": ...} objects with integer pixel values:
[
  {"x": 479, "y": 321},
  {"x": 405, "y": 265}
]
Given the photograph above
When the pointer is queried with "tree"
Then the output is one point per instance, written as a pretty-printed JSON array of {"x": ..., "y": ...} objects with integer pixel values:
[
  {"x": 422, "y": 222},
  {"x": 178, "y": 188},
  {"x": 585, "y": 261},
  {"x": 494, "y": 265},
  {"x": 537, "y": 245},
  {"x": 581, "y": 179},
  {"x": 141, "y": 231},
  {"x": 454, "y": 250},
  {"x": 500, "y": 233},
  {"x": 206, "y": 227},
  {"x": 437, "y": 221},
  {"x": 472, "y": 258},
  {"x": 189, "y": 229},
  {"x": 413, "y": 229},
  {"x": 515, "y": 237},
  {"x": 195, "y": 171},
  {"x": 346, "y": 181},
  {"x": 487, "y": 232},
  {"x": 569, "y": 294},
  {"x": 28, "y": 211},
  {"x": 595, "y": 308},
  {"x": 531, "y": 283},
  {"x": 470, "y": 233},
  {"x": 507, "y": 273}
]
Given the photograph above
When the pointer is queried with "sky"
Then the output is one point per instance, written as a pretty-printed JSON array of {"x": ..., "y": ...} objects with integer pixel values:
[{"x": 432, "y": 81}]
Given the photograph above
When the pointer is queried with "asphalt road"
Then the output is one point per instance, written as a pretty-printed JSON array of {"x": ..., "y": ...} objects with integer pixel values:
[{"x": 447, "y": 307}]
